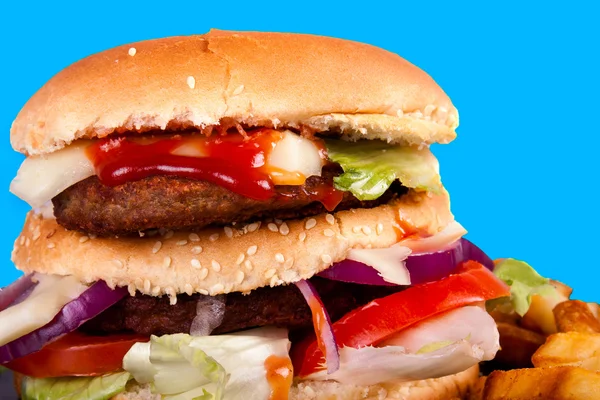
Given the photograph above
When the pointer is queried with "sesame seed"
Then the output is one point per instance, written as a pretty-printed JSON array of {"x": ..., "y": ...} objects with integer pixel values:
[
  {"x": 191, "y": 81},
  {"x": 92, "y": 236},
  {"x": 310, "y": 223},
  {"x": 330, "y": 219},
  {"x": 228, "y": 232},
  {"x": 279, "y": 257},
  {"x": 182, "y": 242},
  {"x": 131, "y": 289},
  {"x": 36, "y": 235},
  {"x": 252, "y": 227},
  {"x": 213, "y": 237},
  {"x": 240, "y": 259},
  {"x": 156, "y": 290},
  {"x": 215, "y": 266},
  {"x": 284, "y": 229},
  {"x": 400, "y": 113},
  {"x": 172, "y": 298},
  {"x": 326, "y": 258},
  {"x": 289, "y": 275},
  {"x": 366, "y": 230},
  {"x": 275, "y": 281},
  {"x": 194, "y": 237},
  {"x": 167, "y": 262},
  {"x": 169, "y": 234},
  {"x": 203, "y": 274},
  {"x": 27, "y": 242},
  {"x": 146, "y": 286},
  {"x": 141, "y": 233},
  {"x": 239, "y": 277},
  {"x": 22, "y": 240},
  {"x": 252, "y": 250},
  {"x": 238, "y": 90},
  {"x": 379, "y": 228},
  {"x": 51, "y": 245},
  {"x": 188, "y": 289},
  {"x": 50, "y": 234},
  {"x": 132, "y": 51},
  {"x": 429, "y": 109},
  {"x": 271, "y": 272},
  {"x": 203, "y": 291},
  {"x": 272, "y": 227},
  {"x": 196, "y": 250},
  {"x": 118, "y": 263},
  {"x": 328, "y": 232},
  {"x": 289, "y": 263},
  {"x": 302, "y": 236},
  {"x": 356, "y": 229},
  {"x": 196, "y": 263},
  {"x": 84, "y": 239},
  {"x": 156, "y": 247},
  {"x": 217, "y": 288},
  {"x": 248, "y": 265}
]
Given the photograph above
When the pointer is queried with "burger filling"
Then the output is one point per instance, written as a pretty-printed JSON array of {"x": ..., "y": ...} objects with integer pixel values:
[{"x": 413, "y": 311}]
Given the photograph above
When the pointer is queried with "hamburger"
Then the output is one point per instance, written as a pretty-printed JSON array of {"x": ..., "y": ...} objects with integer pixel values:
[{"x": 243, "y": 215}]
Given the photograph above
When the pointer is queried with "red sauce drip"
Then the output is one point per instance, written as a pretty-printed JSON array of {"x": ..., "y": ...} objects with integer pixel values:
[
  {"x": 235, "y": 162},
  {"x": 280, "y": 374}
]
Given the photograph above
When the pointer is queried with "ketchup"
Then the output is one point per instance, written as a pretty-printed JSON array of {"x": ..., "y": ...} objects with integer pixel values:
[
  {"x": 235, "y": 162},
  {"x": 279, "y": 375}
]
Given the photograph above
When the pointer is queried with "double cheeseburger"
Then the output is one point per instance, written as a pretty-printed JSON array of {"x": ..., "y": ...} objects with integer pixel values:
[{"x": 242, "y": 215}]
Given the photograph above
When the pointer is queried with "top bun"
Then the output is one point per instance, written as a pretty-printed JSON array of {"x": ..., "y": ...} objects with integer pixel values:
[{"x": 256, "y": 79}]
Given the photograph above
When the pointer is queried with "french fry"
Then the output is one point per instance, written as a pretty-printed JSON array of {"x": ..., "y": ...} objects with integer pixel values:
[
  {"x": 567, "y": 348},
  {"x": 517, "y": 345},
  {"x": 553, "y": 383},
  {"x": 575, "y": 316}
]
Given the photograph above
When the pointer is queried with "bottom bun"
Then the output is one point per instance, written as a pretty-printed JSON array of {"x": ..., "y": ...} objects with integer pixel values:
[{"x": 451, "y": 387}]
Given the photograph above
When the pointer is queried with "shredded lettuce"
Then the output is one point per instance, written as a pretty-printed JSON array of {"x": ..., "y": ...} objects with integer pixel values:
[
  {"x": 524, "y": 282},
  {"x": 182, "y": 367},
  {"x": 75, "y": 388},
  {"x": 371, "y": 166}
]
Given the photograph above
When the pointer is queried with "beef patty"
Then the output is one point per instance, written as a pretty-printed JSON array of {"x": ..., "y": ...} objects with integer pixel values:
[
  {"x": 180, "y": 203},
  {"x": 282, "y": 306}
]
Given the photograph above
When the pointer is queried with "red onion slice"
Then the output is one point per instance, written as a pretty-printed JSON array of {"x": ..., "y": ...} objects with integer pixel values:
[
  {"x": 426, "y": 267},
  {"x": 92, "y": 302},
  {"x": 322, "y": 324},
  {"x": 16, "y": 291}
]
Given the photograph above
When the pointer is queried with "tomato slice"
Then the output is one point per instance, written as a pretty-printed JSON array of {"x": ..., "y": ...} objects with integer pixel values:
[
  {"x": 77, "y": 354},
  {"x": 381, "y": 318}
]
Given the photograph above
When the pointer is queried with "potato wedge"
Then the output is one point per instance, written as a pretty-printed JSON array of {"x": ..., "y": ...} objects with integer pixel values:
[
  {"x": 567, "y": 348},
  {"x": 575, "y": 316},
  {"x": 517, "y": 345},
  {"x": 552, "y": 383}
]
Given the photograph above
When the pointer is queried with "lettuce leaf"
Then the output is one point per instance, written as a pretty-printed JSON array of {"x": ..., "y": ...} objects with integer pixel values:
[
  {"x": 524, "y": 282},
  {"x": 371, "y": 166},
  {"x": 182, "y": 367},
  {"x": 75, "y": 388}
]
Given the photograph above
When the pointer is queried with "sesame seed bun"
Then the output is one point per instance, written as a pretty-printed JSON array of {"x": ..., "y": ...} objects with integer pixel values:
[
  {"x": 223, "y": 260},
  {"x": 257, "y": 79}
]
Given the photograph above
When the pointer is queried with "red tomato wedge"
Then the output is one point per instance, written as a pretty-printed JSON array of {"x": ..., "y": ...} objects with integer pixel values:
[
  {"x": 77, "y": 354},
  {"x": 381, "y": 318}
]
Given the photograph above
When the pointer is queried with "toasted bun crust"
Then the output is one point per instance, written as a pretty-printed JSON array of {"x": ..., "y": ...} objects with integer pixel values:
[
  {"x": 223, "y": 260},
  {"x": 257, "y": 79},
  {"x": 452, "y": 387}
]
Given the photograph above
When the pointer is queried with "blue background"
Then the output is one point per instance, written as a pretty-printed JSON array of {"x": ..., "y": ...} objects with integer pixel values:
[{"x": 522, "y": 173}]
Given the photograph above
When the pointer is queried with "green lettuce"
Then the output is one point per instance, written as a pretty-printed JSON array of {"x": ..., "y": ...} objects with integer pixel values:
[
  {"x": 524, "y": 282},
  {"x": 182, "y": 367},
  {"x": 371, "y": 166},
  {"x": 75, "y": 388}
]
